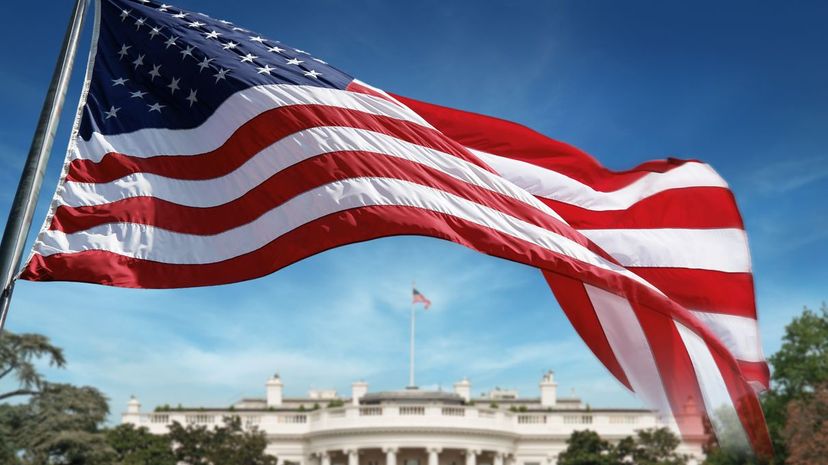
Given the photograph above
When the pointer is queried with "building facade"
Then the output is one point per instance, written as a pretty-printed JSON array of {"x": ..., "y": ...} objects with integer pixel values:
[{"x": 416, "y": 427}]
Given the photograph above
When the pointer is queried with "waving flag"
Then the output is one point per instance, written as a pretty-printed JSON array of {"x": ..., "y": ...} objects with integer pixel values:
[
  {"x": 418, "y": 298},
  {"x": 204, "y": 153}
]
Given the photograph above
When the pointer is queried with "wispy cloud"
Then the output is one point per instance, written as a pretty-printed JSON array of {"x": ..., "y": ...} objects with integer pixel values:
[{"x": 789, "y": 174}]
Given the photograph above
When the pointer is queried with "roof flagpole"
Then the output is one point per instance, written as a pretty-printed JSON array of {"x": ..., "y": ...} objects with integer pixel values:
[
  {"x": 411, "y": 384},
  {"x": 28, "y": 189}
]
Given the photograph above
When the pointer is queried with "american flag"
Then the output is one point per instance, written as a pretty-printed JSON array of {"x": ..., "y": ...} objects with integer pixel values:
[
  {"x": 417, "y": 297},
  {"x": 204, "y": 153}
]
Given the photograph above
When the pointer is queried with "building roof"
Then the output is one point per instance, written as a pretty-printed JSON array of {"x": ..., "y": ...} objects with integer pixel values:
[{"x": 411, "y": 396}]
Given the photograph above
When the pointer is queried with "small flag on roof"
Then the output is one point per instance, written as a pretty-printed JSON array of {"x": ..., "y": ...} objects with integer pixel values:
[{"x": 418, "y": 297}]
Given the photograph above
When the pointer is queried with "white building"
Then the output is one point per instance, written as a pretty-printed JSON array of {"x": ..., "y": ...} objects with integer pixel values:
[{"x": 416, "y": 427}]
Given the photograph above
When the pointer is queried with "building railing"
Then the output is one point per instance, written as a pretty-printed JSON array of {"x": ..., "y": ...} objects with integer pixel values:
[{"x": 381, "y": 416}]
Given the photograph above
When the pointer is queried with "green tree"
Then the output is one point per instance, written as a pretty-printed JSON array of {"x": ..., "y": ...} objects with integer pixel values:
[
  {"x": 648, "y": 447},
  {"x": 656, "y": 447},
  {"x": 587, "y": 448},
  {"x": 801, "y": 364},
  {"x": 799, "y": 367},
  {"x": 10, "y": 419},
  {"x": 137, "y": 446},
  {"x": 61, "y": 424},
  {"x": 18, "y": 354},
  {"x": 228, "y": 444}
]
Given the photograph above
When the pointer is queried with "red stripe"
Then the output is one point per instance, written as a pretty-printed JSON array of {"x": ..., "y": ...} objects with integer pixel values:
[
  {"x": 255, "y": 135},
  {"x": 505, "y": 138},
  {"x": 289, "y": 183},
  {"x": 692, "y": 207},
  {"x": 756, "y": 371},
  {"x": 577, "y": 306},
  {"x": 354, "y": 86},
  {"x": 707, "y": 290},
  {"x": 676, "y": 369},
  {"x": 360, "y": 225},
  {"x": 748, "y": 409}
]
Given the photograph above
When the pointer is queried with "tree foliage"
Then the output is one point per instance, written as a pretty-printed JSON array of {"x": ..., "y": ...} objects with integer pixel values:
[
  {"x": 137, "y": 446},
  {"x": 648, "y": 447},
  {"x": 61, "y": 424},
  {"x": 806, "y": 431},
  {"x": 18, "y": 354},
  {"x": 800, "y": 367},
  {"x": 228, "y": 444},
  {"x": 801, "y": 364}
]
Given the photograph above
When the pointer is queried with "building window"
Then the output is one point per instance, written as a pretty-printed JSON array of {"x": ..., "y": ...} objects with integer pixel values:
[
  {"x": 578, "y": 419},
  {"x": 412, "y": 410},
  {"x": 412, "y": 462}
]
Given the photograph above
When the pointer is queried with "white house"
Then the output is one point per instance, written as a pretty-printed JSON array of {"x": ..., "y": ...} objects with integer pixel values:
[{"x": 416, "y": 427}]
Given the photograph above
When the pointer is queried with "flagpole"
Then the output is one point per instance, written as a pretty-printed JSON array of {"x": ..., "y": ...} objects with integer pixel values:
[
  {"x": 411, "y": 384},
  {"x": 28, "y": 189}
]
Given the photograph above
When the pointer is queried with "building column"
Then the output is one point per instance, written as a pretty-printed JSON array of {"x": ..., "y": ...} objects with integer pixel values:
[
  {"x": 324, "y": 458},
  {"x": 471, "y": 456},
  {"x": 498, "y": 458},
  {"x": 434, "y": 455},
  {"x": 390, "y": 455},
  {"x": 353, "y": 456}
]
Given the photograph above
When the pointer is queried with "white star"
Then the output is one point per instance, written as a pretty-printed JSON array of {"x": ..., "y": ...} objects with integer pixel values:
[
  {"x": 294, "y": 61},
  {"x": 192, "y": 97},
  {"x": 257, "y": 39},
  {"x": 123, "y": 51},
  {"x": 221, "y": 74},
  {"x": 139, "y": 22},
  {"x": 205, "y": 63},
  {"x": 248, "y": 58},
  {"x": 320, "y": 61},
  {"x": 266, "y": 70},
  {"x": 240, "y": 29},
  {"x": 164, "y": 7},
  {"x": 154, "y": 32},
  {"x": 212, "y": 34},
  {"x": 313, "y": 74},
  {"x": 180, "y": 15},
  {"x": 156, "y": 107},
  {"x": 230, "y": 45},
  {"x": 170, "y": 42},
  {"x": 112, "y": 113},
  {"x": 155, "y": 72},
  {"x": 187, "y": 52},
  {"x": 275, "y": 49},
  {"x": 300, "y": 51},
  {"x": 137, "y": 94},
  {"x": 139, "y": 61},
  {"x": 125, "y": 14},
  {"x": 173, "y": 86},
  {"x": 119, "y": 82},
  {"x": 195, "y": 24}
]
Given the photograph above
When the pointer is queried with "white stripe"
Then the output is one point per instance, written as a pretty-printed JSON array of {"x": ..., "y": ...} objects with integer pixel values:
[
  {"x": 232, "y": 113},
  {"x": 717, "y": 400},
  {"x": 724, "y": 249},
  {"x": 279, "y": 156},
  {"x": 739, "y": 334},
  {"x": 556, "y": 186},
  {"x": 630, "y": 346},
  {"x": 152, "y": 243}
]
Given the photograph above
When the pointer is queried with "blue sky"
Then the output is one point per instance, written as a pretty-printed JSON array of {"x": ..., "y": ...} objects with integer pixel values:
[{"x": 741, "y": 85}]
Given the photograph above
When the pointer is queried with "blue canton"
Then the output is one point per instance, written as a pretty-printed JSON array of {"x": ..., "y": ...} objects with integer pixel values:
[{"x": 158, "y": 66}]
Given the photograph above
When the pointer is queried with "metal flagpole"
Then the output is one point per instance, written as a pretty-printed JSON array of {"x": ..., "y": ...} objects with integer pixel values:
[
  {"x": 411, "y": 359},
  {"x": 28, "y": 189}
]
